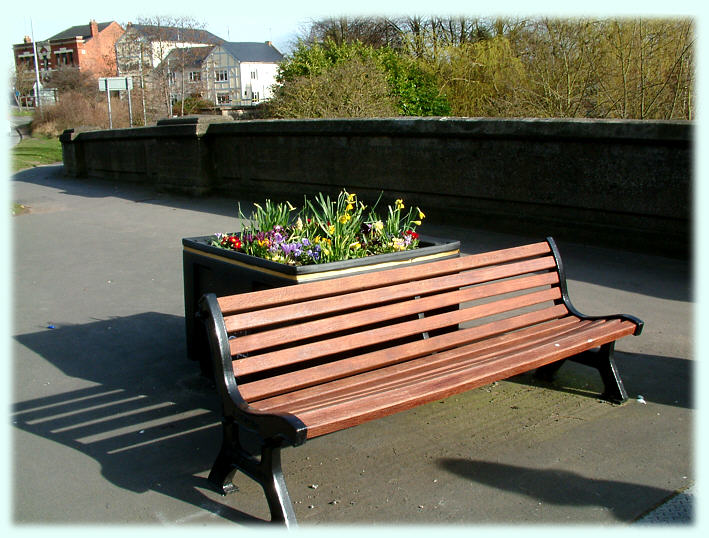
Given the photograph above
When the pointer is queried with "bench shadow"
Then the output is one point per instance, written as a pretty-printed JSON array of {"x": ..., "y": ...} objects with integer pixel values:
[
  {"x": 559, "y": 487},
  {"x": 146, "y": 415},
  {"x": 670, "y": 383}
]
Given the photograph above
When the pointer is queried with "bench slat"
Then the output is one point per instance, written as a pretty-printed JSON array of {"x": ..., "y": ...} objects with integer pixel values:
[
  {"x": 351, "y": 301},
  {"x": 245, "y": 302},
  {"x": 527, "y": 325},
  {"x": 337, "y": 344},
  {"x": 351, "y": 412},
  {"x": 355, "y": 319},
  {"x": 402, "y": 375}
]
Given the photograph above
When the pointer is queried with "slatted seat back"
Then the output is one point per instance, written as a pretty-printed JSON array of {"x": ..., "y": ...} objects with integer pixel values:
[{"x": 290, "y": 338}]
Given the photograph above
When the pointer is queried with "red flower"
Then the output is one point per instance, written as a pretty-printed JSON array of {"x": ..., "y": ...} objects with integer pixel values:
[{"x": 413, "y": 234}]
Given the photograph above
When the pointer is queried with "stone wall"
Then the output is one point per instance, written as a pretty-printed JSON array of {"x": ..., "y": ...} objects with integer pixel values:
[{"x": 620, "y": 183}]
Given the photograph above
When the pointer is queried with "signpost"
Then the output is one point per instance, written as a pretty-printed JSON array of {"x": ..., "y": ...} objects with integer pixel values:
[{"x": 109, "y": 84}]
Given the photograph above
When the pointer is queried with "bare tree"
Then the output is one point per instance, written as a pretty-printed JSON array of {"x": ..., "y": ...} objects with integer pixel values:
[{"x": 374, "y": 31}]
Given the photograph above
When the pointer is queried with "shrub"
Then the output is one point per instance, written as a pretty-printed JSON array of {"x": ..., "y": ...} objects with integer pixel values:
[{"x": 75, "y": 109}]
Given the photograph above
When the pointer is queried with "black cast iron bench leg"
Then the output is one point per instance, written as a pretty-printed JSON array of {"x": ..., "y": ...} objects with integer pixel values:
[
  {"x": 266, "y": 471},
  {"x": 602, "y": 359}
]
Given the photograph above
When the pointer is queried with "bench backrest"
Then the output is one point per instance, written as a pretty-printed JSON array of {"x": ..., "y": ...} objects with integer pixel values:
[{"x": 294, "y": 337}]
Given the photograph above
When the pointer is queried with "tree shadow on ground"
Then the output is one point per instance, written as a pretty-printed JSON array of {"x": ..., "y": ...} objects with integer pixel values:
[
  {"x": 559, "y": 487},
  {"x": 150, "y": 418}
]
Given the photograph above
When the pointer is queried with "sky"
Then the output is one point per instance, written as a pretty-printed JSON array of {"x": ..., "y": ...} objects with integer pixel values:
[{"x": 281, "y": 21}]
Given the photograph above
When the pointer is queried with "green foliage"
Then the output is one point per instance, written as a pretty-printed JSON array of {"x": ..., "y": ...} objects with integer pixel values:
[
  {"x": 409, "y": 85},
  {"x": 539, "y": 67},
  {"x": 349, "y": 89},
  {"x": 484, "y": 78},
  {"x": 194, "y": 104},
  {"x": 414, "y": 87}
]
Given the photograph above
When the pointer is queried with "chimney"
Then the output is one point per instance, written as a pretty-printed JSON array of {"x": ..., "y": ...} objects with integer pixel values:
[
  {"x": 28, "y": 40},
  {"x": 94, "y": 28},
  {"x": 269, "y": 43}
]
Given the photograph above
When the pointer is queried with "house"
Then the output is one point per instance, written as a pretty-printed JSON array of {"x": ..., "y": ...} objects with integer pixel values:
[
  {"x": 91, "y": 47},
  {"x": 183, "y": 68},
  {"x": 232, "y": 75},
  {"x": 146, "y": 46}
]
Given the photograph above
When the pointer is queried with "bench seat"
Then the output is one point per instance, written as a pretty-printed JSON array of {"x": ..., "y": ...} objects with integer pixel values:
[{"x": 341, "y": 403}]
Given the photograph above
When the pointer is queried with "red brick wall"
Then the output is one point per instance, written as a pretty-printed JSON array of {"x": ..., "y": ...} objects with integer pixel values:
[
  {"x": 97, "y": 54},
  {"x": 100, "y": 51}
]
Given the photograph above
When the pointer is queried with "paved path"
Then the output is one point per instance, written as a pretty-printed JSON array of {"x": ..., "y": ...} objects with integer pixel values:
[{"x": 111, "y": 423}]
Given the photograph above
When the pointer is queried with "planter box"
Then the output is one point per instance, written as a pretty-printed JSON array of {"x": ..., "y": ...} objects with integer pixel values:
[{"x": 225, "y": 272}]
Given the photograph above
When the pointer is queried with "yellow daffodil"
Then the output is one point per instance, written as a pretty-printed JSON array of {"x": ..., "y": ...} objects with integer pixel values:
[
  {"x": 421, "y": 214},
  {"x": 299, "y": 224},
  {"x": 331, "y": 229},
  {"x": 416, "y": 222},
  {"x": 378, "y": 226},
  {"x": 399, "y": 204},
  {"x": 398, "y": 244},
  {"x": 290, "y": 206},
  {"x": 356, "y": 245},
  {"x": 345, "y": 218}
]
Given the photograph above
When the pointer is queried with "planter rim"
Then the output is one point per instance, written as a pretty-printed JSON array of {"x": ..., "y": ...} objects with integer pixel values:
[{"x": 430, "y": 248}]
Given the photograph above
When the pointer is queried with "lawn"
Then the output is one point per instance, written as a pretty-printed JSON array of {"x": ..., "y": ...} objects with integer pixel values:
[{"x": 36, "y": 151}]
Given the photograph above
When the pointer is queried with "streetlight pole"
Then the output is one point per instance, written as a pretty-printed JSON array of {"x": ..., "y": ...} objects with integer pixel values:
[{"x": 36, "y": 71}]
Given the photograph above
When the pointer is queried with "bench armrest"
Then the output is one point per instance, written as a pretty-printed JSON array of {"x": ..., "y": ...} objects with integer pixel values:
[
  {"x": 281, "y": 426},
  {"x": 569, "y": 305}
]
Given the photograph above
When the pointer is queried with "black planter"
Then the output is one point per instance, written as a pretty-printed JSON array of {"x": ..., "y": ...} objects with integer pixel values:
[{"x": 226, "y": 272}]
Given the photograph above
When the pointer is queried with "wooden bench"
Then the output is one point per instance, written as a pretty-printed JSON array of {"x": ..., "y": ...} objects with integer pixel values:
[{"x": 302, "y": 361}]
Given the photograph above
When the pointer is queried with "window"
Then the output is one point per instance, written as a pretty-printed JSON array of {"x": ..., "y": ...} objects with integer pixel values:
[
  {"x": 171, "y": 77},
  {"x": 195, "y": 76},
  {"x": 223, "y": 98},
  {"x": 254, "y": 75},
  {"x": 254, "y": 97},
  {"x": 221, "y": 75},
  {"x": 65, "y": 58}
]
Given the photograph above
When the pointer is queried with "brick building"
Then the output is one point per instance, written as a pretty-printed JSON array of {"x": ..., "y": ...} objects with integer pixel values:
[{"x": 90, "y": 47}]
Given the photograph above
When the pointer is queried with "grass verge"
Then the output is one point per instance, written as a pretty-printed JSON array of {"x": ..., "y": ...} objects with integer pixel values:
[{"x": 32, "y": 152}]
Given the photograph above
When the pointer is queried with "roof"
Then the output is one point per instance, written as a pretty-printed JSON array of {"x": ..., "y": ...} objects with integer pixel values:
[
  {"x": 253, "y": 52},
  {"x": 189, "y": 56},
  {"x": 83, "y": 31},
  {"x": 172, "y": 33}
]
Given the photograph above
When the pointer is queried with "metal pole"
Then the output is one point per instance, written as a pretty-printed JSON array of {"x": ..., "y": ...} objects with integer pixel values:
[
  {"x": 36, "y": 71},
  {"x": 142, "y": 85},
  {"x": 108, "y": 97},
  {"x": 130, "y": 105}
]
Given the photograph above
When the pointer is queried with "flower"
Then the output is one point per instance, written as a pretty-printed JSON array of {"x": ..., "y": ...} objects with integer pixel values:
[{"x": 323, "y": 230}]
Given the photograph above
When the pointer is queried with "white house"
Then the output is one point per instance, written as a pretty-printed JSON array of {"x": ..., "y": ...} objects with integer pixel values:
[
  {"x": 150, "y": 45},
  {"x": 240, "y": 74},
  {"x": 230, "y": 75}
]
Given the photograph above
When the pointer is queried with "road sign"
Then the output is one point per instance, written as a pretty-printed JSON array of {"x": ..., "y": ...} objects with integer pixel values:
[
  {"x": 115, "y": 83},
  {"x": 109, "y": 84}
]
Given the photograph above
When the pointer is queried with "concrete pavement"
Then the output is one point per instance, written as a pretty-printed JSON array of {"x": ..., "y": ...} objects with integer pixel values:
[{"x": 110, "y": 423}]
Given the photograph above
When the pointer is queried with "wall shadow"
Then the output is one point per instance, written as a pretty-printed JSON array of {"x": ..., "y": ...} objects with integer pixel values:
[
  {"x": 147, "y": 417},
  {"x": 53, "y": 176},
  {"x": 559, "y": 487},
  {"x": 647, "y": 274}
]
